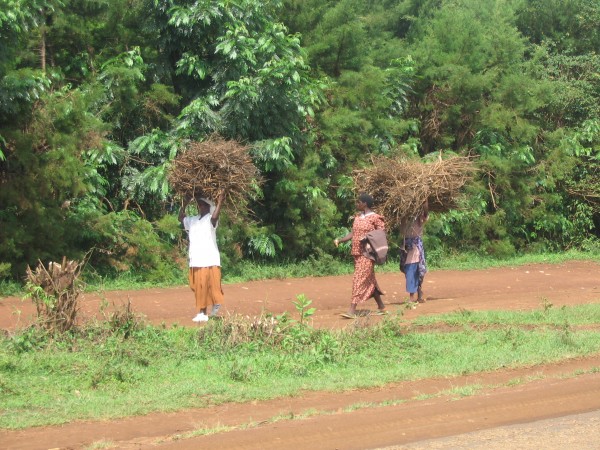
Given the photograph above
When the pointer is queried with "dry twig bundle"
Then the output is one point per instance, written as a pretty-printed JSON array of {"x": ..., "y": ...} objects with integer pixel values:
[
  {"x": 401, "y": 187},
  {"x": 55, "y": 291},
  {"x": 212, "y": 166}
]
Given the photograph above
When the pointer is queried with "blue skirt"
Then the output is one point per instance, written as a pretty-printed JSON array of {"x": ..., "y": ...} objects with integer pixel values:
[{"x": 412, "y": 277}]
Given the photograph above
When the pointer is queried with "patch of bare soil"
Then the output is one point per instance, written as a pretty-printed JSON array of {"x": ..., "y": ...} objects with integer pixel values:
[{"x": 391, "y": 416}]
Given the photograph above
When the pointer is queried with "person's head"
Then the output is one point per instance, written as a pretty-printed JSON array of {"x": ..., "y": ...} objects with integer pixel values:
[
  {"x": 364, "y": 200},
  {"x": 204, "y": 205}
]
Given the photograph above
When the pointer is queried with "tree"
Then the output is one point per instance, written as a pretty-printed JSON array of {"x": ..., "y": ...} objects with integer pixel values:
[
  {"x": 572, "y": 26},
  {"x": 242, "y": 75}
]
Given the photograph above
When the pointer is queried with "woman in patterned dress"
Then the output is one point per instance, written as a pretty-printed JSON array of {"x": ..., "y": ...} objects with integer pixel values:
[{"x": 364, "y": 284}]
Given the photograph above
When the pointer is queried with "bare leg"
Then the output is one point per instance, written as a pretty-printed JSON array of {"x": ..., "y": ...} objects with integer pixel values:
[
  {"x": 215, "y": 309},
  {"x": 380, "y": 303},
  {"x": 421, "y": 296}
]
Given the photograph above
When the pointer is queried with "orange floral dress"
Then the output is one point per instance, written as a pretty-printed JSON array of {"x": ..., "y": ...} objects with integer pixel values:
[{"x": 364, "y": 284}]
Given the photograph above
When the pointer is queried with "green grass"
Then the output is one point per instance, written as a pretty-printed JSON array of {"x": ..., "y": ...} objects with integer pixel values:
[
  {"x": 10, "y": 288},
  {"x": 466, "y": 261},
  {"x": 117, "y": 369},
  {"x": 322, "y": 266},
  {"x": 547, "y": 315},
  {"x": 328, "y": 265}
]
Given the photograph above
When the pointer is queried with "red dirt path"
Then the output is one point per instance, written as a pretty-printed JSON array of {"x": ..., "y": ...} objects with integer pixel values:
[{"x": 551, "y": 391}]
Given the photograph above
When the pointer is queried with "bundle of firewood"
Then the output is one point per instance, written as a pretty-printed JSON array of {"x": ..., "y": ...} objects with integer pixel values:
[
  {"x": 55, "y": 290},
  {"x": 401, "y": 187},
  {"x": 215, "y": 165}
]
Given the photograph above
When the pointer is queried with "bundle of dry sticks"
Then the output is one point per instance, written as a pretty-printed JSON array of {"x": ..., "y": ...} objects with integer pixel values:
[
  {"x": 56, "y": 303},
  {"x": 212, "y": 166},
  {"x": 400, "y": 187}
]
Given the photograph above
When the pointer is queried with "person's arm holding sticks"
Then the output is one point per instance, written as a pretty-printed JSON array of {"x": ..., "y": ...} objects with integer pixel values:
[
  {"x": 215, "y": 215},
  {"x": 425, "y": 215}
]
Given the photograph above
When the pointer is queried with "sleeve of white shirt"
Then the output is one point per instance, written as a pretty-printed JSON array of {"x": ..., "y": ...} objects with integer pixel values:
[{"x": 186, "y": 223}]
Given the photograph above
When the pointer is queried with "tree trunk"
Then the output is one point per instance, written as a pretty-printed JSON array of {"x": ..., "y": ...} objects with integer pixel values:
[{"x": 43, "y": 49}]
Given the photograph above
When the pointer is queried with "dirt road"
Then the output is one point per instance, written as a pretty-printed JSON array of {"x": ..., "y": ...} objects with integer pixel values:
[{"x": 419, "y": 414}]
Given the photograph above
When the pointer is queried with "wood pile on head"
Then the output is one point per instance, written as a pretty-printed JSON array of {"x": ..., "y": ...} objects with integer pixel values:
[
  {"x": 207, "y": 168},
  {"x": 400, "y": 187},
  {"x": 55, "y": 291}
]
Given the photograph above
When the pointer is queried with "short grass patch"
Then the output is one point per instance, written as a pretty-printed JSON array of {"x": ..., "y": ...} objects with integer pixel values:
[
  {"x": 116, "y": 369},
  {"x": 547, "y": 314}
]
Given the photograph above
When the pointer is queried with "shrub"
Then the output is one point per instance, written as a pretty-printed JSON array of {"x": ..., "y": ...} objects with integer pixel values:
[{"x": 500, "y": 249}]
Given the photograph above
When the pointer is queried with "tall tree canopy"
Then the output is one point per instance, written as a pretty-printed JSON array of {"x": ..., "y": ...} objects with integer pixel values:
[{"x": 97, "y": 99}]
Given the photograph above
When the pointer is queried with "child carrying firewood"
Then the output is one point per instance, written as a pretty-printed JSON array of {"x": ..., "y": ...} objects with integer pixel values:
[{"x": 412, "y": 256}]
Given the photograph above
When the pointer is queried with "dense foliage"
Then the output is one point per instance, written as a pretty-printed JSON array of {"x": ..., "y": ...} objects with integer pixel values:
[{"x": 96, "y": 99}]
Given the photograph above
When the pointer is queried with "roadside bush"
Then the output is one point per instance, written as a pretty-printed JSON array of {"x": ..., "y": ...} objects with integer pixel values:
[
  {"x": 591, "y": 245},
  {"x": 30, "y": 339},
  {"x": 10, "y": 288},
  {"x": 4, "y": 270},
  {"x": 434, "y": 254},
  {"x": 126, "y": 242},
  {"x": 320, "y": 264},
  {"x": 500, "y": 249}
]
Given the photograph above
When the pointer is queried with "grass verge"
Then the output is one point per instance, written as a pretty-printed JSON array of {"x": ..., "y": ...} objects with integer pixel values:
[{"x": 119, "y": 368}]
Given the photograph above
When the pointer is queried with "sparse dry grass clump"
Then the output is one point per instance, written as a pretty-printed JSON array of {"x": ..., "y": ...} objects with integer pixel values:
[
  {"x": 235, "y": 329},
  {"x": 55, "y": 291}
]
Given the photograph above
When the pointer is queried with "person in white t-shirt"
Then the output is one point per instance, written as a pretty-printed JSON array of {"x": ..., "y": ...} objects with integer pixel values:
[{"x": 204, "y": 258}]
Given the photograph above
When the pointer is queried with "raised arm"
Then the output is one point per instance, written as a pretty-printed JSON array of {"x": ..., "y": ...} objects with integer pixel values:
[
  {"x": 425, "y": 215},
  {"x": 215, "y": 215}
]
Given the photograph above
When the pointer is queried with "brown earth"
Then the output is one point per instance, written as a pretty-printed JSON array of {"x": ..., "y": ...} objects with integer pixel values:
[{"x": 428, "y": 413}]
